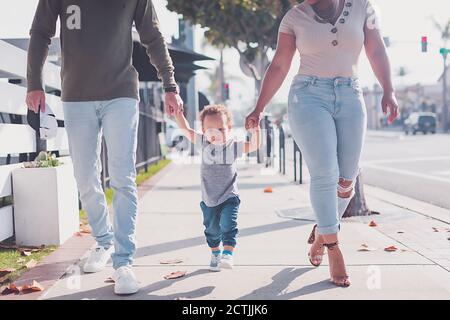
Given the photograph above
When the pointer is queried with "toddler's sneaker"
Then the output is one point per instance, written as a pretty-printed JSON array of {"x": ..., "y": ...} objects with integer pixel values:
[
  {"x": 226, "y": 262},
  {"x": 214, "y": 264}
]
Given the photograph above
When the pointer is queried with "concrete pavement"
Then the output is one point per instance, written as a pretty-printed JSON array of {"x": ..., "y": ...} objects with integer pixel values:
[{"x": 271, "y": 257}]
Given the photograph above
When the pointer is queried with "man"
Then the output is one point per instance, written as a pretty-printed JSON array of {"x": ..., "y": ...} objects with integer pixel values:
[{"x": 100, "y": 96}]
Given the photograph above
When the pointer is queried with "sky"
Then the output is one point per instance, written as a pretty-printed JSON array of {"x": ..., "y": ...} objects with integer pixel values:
[{"x": 404, "y": 21}]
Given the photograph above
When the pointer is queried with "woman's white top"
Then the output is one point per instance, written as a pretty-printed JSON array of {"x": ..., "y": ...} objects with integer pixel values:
[{"x": 328, "y": 50}]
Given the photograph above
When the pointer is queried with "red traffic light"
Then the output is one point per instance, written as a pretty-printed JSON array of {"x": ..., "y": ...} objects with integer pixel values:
[{"x": 424, "y": 44}]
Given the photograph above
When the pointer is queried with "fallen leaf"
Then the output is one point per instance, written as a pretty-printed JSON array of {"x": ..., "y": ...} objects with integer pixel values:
[
  {"x": 268, "y": 190},
  {"x": 33, "y": 287},
  {"x": 448, "y": 238},
  {"x": 175, "y": 275},
  {"x": 25, "y": 253},
  {"x": 372, "y": 224},
  {"x": 109, "y": 280},
  {"x": 435, "y": 229},
  {"x": 171, "y": 261},
  {"x": 364, "y": 247},
  {"x": 4, "y": 272},
  {"x": 12, "y": 288},
  {"x": 390, "y": 249},
  {"x": 31, "y": 264},
  {"x": 400, "y": 231}
]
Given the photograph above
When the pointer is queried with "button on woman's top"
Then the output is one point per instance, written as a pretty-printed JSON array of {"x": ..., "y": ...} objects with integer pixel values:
[{"x": 328, "y": 50}]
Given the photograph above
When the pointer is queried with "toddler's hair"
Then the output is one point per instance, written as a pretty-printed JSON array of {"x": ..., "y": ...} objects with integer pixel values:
[{"x": 216, "y": 109}]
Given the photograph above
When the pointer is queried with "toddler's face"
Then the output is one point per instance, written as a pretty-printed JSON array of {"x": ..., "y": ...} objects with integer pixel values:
[{"x": 216, "y": 128}]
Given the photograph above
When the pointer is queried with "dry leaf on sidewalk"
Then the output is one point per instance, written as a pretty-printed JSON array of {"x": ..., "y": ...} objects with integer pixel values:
[
  {"x": 372, "y": 224},
  {"x": 268, "y": 190},
  {"x": 175, "y": 275},
  {"x": 25, "y": 253},
  {"x": 400, "y": 231},
  {"x": 109, "y": 280},
  {"x": 12, "y": 288},
  {"x": 4, "y": 272},
  {"x": 85, "y": 230},
  {"x": 33, "y": 287},
  {"x": 364, "y": 247},
  {"x": 31, "y": 264},
  {"x": 171, "y": 261},
  {"x": 390, "y": 249},
  {"x": 435, "y": 229}
]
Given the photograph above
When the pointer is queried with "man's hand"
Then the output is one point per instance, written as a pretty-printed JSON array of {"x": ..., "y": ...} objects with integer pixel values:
[
  {"x": 252, "y": 120},
  {"x": 173, "y": 103},
  {"x": 34, "y": 99},
  {"x": 389, "y": 102}
]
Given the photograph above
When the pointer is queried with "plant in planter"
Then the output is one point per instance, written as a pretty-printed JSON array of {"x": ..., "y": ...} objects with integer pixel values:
[
  {"x": 45, "y": 201},
  {"x": 43, "y": 160}
]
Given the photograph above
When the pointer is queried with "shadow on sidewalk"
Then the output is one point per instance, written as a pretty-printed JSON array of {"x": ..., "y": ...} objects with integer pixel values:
[
  {"x": 241, "y": 186},
  {"x": 197, "y": 241},
  {"x": 281, "y": 281},
  {"x": 106, "y": 292}
]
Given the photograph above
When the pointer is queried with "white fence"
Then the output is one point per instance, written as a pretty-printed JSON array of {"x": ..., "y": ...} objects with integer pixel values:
[{"x": 20, "y": 138}]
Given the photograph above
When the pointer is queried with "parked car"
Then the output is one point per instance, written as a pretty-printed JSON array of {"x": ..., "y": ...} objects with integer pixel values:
[
  {"x": 175, "y": 137},
  {"x": 420, "y": 121}
]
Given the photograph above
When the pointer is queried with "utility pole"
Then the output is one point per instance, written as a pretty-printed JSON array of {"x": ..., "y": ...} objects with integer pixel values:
[
  {"x": 221, "y": 78},
  {"x": 444, "y": 52}
]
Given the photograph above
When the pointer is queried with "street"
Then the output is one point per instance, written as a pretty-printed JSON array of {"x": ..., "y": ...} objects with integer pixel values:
[{"x": 415, "y": 166}]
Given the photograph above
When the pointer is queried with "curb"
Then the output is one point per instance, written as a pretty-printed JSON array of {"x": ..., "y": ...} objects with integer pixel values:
[{"x": 423, "y": 208}]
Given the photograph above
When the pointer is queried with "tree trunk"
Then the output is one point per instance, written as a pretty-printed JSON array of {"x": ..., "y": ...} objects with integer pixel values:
[{"x": 358, "y": 206}]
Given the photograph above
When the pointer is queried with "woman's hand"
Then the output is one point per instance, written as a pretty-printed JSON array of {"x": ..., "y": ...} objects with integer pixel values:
[
  {"x": 389, "y": 103},
  {"x": 253, "y": 119}
]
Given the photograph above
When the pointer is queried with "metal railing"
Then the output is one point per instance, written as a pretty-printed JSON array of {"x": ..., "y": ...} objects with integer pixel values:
[{"x": 298, "y": 156}]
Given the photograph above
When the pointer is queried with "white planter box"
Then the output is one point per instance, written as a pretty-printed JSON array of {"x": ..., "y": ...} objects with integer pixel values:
[{"x": 45, "y": 205}]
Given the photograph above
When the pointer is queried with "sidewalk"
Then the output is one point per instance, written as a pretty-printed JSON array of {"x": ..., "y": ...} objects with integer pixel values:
[{"x": 271, "y": 257}]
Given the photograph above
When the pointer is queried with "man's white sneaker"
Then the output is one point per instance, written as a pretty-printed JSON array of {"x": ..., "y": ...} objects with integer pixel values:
[
  {"x": 125, "y": 281},
  {"x": 227, "y": 261},
  {"x": 97, "y": 259}
]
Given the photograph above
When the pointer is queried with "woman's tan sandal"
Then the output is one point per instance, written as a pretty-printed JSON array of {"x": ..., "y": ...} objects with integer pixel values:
[
  {"x": 312, "y": 236},
  {"x": 316, "y": 259},
  {"x": 340, "y": 281}
]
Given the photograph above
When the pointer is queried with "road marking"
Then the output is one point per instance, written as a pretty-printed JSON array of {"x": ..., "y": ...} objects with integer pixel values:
[
  {"x": 406, "y": 173},
  {"x": 401, "y": 160},
  {"x": 442, "y": 173}
]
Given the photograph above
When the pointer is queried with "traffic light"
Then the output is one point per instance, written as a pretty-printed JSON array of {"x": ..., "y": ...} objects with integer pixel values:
[
  {"x": 226, "y": 91},
  {"x": 424, "y": 44}
]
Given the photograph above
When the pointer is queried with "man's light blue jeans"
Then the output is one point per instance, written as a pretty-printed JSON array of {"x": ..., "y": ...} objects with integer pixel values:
[
  {"x": 117, "y": 120},
  {"x": 328, "y": 120}
]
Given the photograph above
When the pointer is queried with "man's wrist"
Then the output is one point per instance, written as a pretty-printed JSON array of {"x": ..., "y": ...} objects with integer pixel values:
[{"x": 172, "y": 89}]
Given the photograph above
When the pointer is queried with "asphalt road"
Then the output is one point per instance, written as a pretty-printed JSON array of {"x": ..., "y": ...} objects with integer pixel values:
[{"x": 415, "y": 166}]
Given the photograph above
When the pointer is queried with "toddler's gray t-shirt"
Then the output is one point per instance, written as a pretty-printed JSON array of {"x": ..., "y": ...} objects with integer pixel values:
[{"x": 218, "y": 169}]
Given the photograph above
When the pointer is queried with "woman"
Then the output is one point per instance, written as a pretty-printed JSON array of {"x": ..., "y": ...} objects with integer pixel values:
[{"x": 326, "y": 111}]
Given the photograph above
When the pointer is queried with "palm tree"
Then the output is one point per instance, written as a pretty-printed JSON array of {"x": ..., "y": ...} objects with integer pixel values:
[{"x": 444, "y": 30}]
